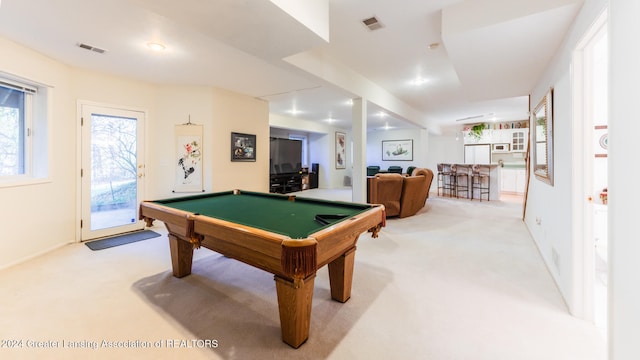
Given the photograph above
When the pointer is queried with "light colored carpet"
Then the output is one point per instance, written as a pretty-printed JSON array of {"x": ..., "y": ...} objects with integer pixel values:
[{"x": 460, "y": 280}]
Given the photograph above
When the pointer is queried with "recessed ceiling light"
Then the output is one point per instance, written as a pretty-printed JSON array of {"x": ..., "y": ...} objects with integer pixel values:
[
  {"x": 419, "y": 81},
  {"x": 294, "y": 111},
  {"x": 156, "y": 46}
]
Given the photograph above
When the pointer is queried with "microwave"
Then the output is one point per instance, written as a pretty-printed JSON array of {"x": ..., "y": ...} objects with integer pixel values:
[{"x": 500, "y": 148}]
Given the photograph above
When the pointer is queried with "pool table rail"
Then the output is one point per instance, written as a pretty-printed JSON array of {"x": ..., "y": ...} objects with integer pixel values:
[
  {"x": 256, "y": 247},
  {"x": 178, "y": 222}
]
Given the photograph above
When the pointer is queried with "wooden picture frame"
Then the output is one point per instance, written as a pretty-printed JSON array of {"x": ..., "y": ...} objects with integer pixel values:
[
  {"x": 243, "y": 147},
  {"x": 542, "y": 139}
]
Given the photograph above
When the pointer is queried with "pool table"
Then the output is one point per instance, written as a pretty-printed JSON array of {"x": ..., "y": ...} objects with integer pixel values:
[{"x": 288, "y": 236}]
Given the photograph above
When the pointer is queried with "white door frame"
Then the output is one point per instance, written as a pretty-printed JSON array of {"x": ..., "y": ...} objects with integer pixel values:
[
  {"x": 79, "y": 158},
  {"x": 583, "y": 250}
]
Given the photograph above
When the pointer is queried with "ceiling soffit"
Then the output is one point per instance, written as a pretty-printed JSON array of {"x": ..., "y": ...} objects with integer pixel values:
[
  {"x": 257, "y": 27},
  {"x": 502, "y": 53}
]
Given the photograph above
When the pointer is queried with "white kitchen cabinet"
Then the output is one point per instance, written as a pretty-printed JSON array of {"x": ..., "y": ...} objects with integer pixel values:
[
  {"x": 502, "y": 136},
  {"x": 477, "y": 154},
  {"x": 516, "y": 137},
  {"x": 513, "y": 180},
  {"x": 519, "y": 139}
]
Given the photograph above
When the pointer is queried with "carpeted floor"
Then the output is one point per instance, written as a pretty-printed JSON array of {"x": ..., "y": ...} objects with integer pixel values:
[{"x": 460, "y": 280}]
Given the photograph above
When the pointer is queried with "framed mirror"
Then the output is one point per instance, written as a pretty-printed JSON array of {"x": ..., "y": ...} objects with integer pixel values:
[{"x": 542, "y": 139}]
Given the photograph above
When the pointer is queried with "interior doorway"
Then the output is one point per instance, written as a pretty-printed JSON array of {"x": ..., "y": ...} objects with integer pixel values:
[
  {"x": 112, "y": 170},
  {"x": 591, "y": 133}
]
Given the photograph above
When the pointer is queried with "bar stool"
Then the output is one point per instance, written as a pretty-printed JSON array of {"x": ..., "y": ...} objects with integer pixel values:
[
  {"x": 446, "y": 180},
  {"x": 480, "y": 180},
  {"x": 461, "y": 174}
]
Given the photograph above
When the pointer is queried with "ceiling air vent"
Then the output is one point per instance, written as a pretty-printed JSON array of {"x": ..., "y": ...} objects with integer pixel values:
[
  {"x": 470, "y": 118},
  {"x": 372, "y": 23},
  {"x": 91, "y": 48}
]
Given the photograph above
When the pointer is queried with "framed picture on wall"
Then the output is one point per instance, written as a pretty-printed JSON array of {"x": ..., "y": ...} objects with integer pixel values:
[
  {"x": 341, "y": 151},
  {"x": 243, "y": 147},
  {"x": 400, "y": 150}
]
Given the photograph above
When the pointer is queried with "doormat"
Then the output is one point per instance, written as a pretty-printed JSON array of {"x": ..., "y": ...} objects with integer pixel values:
[{"x": 121, "y": 239}]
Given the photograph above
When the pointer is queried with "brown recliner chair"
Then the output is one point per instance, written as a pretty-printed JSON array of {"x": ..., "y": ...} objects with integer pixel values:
[
  {"x": 415, "y": 191},
  {"x": 386, "y": 189}
]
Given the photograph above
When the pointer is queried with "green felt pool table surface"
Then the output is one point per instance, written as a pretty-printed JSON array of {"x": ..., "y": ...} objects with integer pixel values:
[{"x": 271, "y": 212}]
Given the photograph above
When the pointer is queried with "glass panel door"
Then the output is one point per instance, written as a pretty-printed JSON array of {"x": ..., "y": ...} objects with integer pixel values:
[{"x": 112, "y": 171}]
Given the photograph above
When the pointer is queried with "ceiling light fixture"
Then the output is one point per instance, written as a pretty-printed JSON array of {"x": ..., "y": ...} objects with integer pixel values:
[
  {"x": 156, "y": 46},
  {"x": 294, "y": 111},
  {"x": 419, "y": 81}
]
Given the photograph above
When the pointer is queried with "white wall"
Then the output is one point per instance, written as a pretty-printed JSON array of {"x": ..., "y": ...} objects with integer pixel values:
[
  {"x": 624, "y": 127},
  {"x": 552, "y": 205},
  {"x": 420, "y": 147},
  {"x": 47, "y": 213},
  {"x": 447, "y": 147},
  {"x": 37, "y": 218}
]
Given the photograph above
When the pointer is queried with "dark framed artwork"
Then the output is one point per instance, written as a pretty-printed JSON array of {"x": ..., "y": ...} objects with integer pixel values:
[{"x": 243, "y": 147}]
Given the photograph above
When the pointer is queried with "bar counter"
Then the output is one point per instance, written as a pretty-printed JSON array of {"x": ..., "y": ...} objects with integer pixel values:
[{"x": 494, "y": 180}]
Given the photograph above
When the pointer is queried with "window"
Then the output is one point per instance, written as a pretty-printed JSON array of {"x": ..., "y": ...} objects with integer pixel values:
[
  {"x": 22, "y": 156},
  {"x": 13, "y": 125}
]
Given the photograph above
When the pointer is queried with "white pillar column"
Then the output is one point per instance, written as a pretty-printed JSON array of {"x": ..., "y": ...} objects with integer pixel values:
[{"x": 359, "y": 135}]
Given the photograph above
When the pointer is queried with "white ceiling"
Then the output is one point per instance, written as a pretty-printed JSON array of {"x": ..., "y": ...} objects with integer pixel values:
[{"x": 490, "y": 52}]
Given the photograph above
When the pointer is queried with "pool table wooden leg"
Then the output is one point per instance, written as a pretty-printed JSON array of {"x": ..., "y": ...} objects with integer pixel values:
[
  {"x": 341, "y": 275},
  {"x": 294, "y": 304},
  {"x": 181, "y": 256}
]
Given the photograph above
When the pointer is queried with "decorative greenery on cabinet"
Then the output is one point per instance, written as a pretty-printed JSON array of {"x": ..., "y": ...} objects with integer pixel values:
[{"x": 476, "y": 131}]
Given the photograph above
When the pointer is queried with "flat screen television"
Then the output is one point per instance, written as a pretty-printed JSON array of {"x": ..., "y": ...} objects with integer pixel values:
[{"x": 285, "y": 156}]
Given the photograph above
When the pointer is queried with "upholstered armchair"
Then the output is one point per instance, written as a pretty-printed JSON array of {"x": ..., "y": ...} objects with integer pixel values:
[
  {"x": 415, "y": 191},
  {"x": 386, "y": 189}
]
